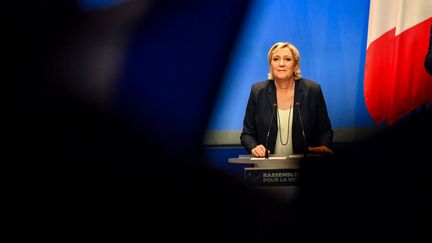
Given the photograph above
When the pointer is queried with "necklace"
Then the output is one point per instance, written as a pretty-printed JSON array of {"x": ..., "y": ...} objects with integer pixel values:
[
  {"x": 289, "y": 119},
  {"x": 280, "y": 128}
]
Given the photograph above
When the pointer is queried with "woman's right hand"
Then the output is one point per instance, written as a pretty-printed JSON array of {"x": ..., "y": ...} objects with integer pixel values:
[{"x": 259, "y": 151}]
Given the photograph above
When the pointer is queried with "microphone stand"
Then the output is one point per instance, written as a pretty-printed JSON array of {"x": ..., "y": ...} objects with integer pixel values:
[
  {"x": 268, "y": 132},
  {"x": 302, "y": 130}
]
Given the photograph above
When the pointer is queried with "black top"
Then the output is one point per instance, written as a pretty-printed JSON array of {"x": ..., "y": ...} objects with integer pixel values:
[{"x": 309, "y": 99}]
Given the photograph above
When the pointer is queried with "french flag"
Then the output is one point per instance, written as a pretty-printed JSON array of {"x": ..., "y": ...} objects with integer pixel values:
[{"x": 395, "y": 80}]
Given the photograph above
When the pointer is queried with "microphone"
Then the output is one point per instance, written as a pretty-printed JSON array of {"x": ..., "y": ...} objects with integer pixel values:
[
  {"x": 268, "y": 131},
  {"x": 302, "y": 129}
]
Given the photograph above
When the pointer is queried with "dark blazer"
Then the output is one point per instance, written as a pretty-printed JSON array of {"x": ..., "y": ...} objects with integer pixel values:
[
  {"x": 307, "y": 96},
  {"x": 428, "y": 58}
]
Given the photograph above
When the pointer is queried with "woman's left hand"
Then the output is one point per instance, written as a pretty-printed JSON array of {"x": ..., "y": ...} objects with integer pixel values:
[{"x": 320, "y": 149}]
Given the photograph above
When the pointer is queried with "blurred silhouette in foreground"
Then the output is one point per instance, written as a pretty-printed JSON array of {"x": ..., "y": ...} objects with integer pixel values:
[{"x": 104, "y": 127}]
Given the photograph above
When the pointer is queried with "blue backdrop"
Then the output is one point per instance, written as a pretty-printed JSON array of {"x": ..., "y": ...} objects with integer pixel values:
[{"x": 331, "y": 36}]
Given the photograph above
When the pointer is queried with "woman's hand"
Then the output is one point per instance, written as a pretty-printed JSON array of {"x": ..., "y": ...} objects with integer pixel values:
[
  {"x": 259, "y": 151},
  {"x": 320, "y": 149}
]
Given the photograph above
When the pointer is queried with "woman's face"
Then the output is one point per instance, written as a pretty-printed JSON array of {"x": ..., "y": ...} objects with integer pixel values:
[{"x": 282, "y": 64}]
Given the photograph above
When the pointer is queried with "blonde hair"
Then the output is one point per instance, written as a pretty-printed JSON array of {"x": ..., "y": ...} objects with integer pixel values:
[{"x": 295, "y": 53}]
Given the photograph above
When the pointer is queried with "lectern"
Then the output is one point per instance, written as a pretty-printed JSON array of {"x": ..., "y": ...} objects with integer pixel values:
[{"x": 275, "y": 175}]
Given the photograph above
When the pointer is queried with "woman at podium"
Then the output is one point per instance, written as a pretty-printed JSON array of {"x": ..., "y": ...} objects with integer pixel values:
[{"x": 286, "y": 114}]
